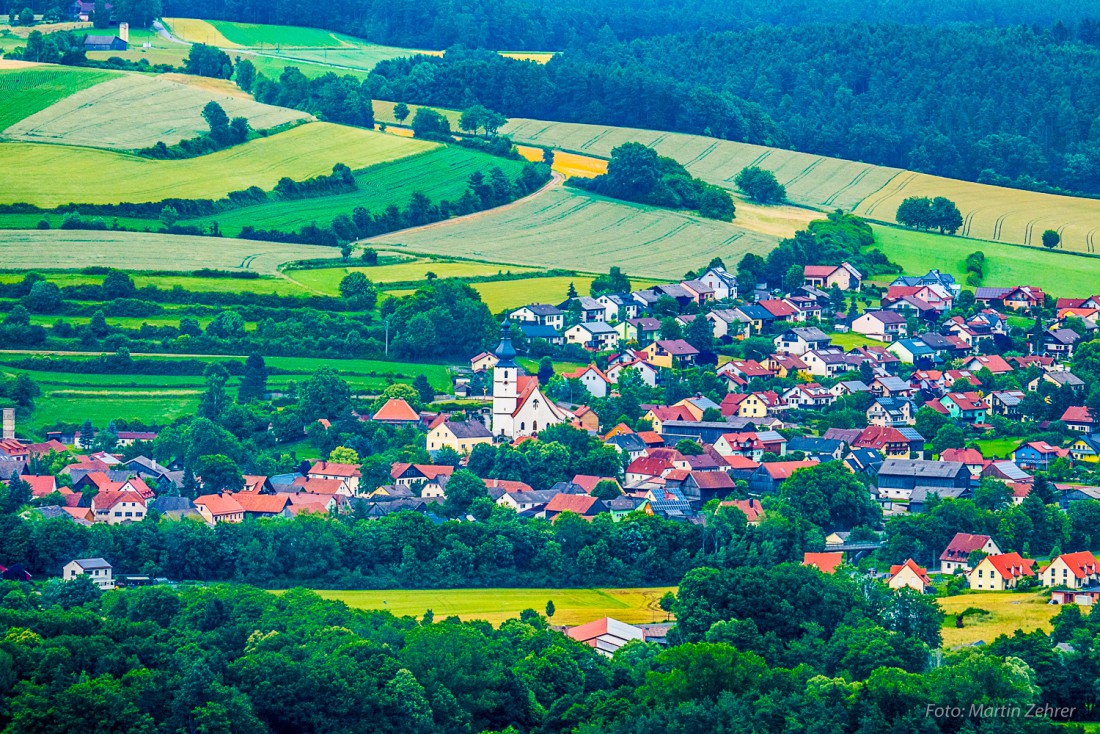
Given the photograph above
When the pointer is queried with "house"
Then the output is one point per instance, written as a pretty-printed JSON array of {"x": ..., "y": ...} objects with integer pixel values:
[
  {"x": 751, "y": 508},
  {"x": 843, "y": 276},
  {"x": 799, "y": 340},
  {"x": 822, "y": 449},
  {"x": 396, "y": 412},
  {"x": 995, "y": 363},
  {"x": 824, "y": 562},
  {"x": 1037, "y": 455},
  {"x": 1077, "y": 418},
  {"x": 891, "y": 412},
  {"x": 891, "y": 387},
  {"x": 1072, "y": 571},
  {"x": 1020, "y": 298},
  {"x": 461, "y": 436},
  {"x": 781, "y": 311},
  {"x": 1059, "y": 343},
  {"x": 262, "y": 505},
  {"x": 956, "y": 556},
  {"x": 703, "y": 486},
  {"x": 483, "y": 362},
  {"x": 1005, "y": 403},
  {"x": 525, "y": 501},
  {"x": 973, "y": 459},
  {"x": 721, "y": 283},
  {"x": 541, "y": 314},
  {"x": 593, "y": 378},
  {"x": 584, "y": 505},
  {"x": 618, "y": 306},
  {"x": 534, "y": 332},
  {"x": 594, "y": 336},
  {"x": 118, "y": 508},
  {"x": 702, "y": 292},
  {"x": 933, "y": 277},
  {"x": 647, "y": 372},
  {"x": 519, "y": 407},
  {"x": 884, "y": 326},
  {"x": 642, "y": 330},
  {"x": 606, "y": 635},
  {"x": 219, "y": 508},
  {"x": 898, "y": 478},
  {"x": 913, "y": 351},
  {"x": 767, "y": 477},
  {"x": 968, "y": 407},
  {"x": 909, "y": 575},
  {"x": 671, "y": 353},
  {"x": 346, "y": 474},
  {"x": 808, "y": 396},
  {"x": 729, "y": 323},
  {"x": 588, "y": 309},
  {"x": 1000, "y": 572},
  {"x": 902, "y": 442},
  {"x": 1059, "y": 380},
  {"x": 826, "y": 362},
  {"x": 97, "y": 569},
  {"x": 786, "y": 365},
  {"x": 1086, "y": 448},
  {"x": 410, "y": 475}
]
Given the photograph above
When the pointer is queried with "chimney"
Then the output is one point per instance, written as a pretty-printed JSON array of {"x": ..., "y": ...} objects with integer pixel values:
[
  {"x": 8, "y": 418},
  {"x": 124, "y": 31}
]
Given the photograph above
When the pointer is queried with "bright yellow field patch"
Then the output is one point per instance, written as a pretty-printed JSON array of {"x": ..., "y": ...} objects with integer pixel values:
[
  {"x": 539, "y": 57},
  {"x": 567, "y": 164},
  {"x": 51, "y": 175},
  {"x": 1009, "y": 612},
  {"x": 198, "y": 31},
  {"x": 572, "y": 606}
]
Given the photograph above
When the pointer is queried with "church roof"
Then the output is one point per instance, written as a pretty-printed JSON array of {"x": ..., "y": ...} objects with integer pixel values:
[{"x": 505, "y": 352}]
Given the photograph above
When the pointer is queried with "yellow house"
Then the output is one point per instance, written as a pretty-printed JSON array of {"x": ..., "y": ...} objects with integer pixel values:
[
  {"x": 1071, "y": 571},
  {"x": 1086, "y": 448},
  {"x": 1000, "y": 572},
  {"x": 909, "y": 575},
  {"x": 461, "y": 436}
]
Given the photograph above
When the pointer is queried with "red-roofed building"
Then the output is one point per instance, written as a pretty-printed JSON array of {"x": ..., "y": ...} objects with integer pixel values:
[
  {"x": 41, "y": 486},
  {"x": 584, "y": 505},
  {"x": 824, "y": 562},
  {"x": 888, "y": 441},
  {"x": 843, "y": 276},
  {"x": 396, "y": 412},
  {"x": 593, "y": 378},
  {"x": 1077, "y": 418},
  {"x": 1072, "y": 571},
  {"x": 995, "y": 363},
  {"x": 349, "y": 474},
  {"x": 320, "y": 486},
  {"x": 968, "y": 407},
  {"x": 219, "y": 507},
  {"x": 1000, "y": 572},
  {"x": 909, "y": 575},
  {"x": 118, "y": 508},
  {"x": 645, "y": 468},
  {"x": 407, "y": 475},
  {"x": 753, "y": 510},
  {"x": 768, "y": 476},
  {"x": 658, "y": 414},
  {"x": 1038, "y": 455},
  {"x": 606, "y": 635},
  {"x": 956, "y": 556},
  {"x": 262, "y": 505}
]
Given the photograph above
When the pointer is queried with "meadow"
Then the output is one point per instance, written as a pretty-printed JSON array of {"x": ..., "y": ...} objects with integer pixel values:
[
  {"x": 564, "y": 228},
  {"x": 115, "y": 114},
  {"x": 52, "y": 175},
  {"x": 327, "y": 280},
  {"x": 441, "y": 172},
  {"x": 28, "y": 90},
  {"x": 1057, "y": 272},
  {"x": 276, "y": 285},
  {"x": 1000, "y": 448},
  {"x": 1007, "y": 612},
  {"x": 33, "y": 249},
  {"x": 572, "y": 606}
]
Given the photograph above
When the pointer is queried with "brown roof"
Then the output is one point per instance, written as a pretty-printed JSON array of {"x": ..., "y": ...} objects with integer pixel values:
[
  {"x": 754, "y": 512},
  {"x": 267, "y": 504},
  {"x": 581, "y": 504}
]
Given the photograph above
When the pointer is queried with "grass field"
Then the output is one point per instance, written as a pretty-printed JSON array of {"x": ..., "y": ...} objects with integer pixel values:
[
  {"x": 572, "y": 606},
  {"x": 135, "y": 111},
  {"x": 268, "y": 284},
  {"x": 52, "y": 175},
  {"x": 851, "y": 340},
  {"x": 571, "y": 229},
  {"x": 101, "y": 407},
  {"x": 327, "y": 280},
  {"x": 383, "y": 112},
  {"x": 441, "y": 172},
  {"x": 999, "y": 448},
  {"x": 31, "y": 249},
  {"x": 1008, "y": 612},
  {"x": 1059, "y": 273},
  {"x": 28, "y": 90}
]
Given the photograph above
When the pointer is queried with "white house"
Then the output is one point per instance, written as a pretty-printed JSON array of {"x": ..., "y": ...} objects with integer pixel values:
[
  {"x": 729, "y": 322},
  {"x": 592, "y": 377},
  {"x": 885, "y": 326},
  {"x": 593, "y": 335},
  {"x": 97, "y": 569},
  {"x": 644, "y": 369},
  {"x": 541, "y": 314},
  {"x": 519, "y": 407},
  {"x": 1071, "y": 571},
  {"x": 723, "y": 283},
  {"x": 801, "y": 339},
  {"x": 909, "y": 575}
]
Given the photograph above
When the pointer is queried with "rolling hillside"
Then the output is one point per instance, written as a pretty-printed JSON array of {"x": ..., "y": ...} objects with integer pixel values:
[{"x": 992, "y": 213}]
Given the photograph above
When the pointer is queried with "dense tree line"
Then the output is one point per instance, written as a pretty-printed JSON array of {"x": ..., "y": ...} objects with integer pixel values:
[
  {"x": 223, "y": 133},
  {"x": 341, "y": 99}
]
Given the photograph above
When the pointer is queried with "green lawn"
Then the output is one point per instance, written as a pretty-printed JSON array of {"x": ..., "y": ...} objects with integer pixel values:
[
  {"x": 998, "y": 447},
  {"x": 851, "y": 340},
  {"x": 255, "y": 34},
  {"x": 327, "y": 280},
  {"x": 104, "y": 407},
  {"x": 1059, "y": 273},
  {"x": 572, "y": 606}
]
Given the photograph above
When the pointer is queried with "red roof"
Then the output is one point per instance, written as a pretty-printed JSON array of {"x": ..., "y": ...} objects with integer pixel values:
[
  {"x": 736, "y": 461},
  {"x": 267, "y": 504},
  {"x": 966, "y": 456},
  {"x": 1081, "y": 564},
  {"x": 579, "y": 373},
  {"x": 819, "y": 271},
  {"x": 507, "y": 485},
  {"x": 331, "y": 468},
  {"x": 580, "y": 504},
  {"x": 253, "y": 483},
  {"x": 962, "y": 545},
  {"x": 779, "y": 309},
  {"x": 1011, "y": 565},
  {"x": 783, "y": 469},
  {"x": 754, "y": 512},
  {"x": 220, "y": 504},
  {"x": 876, "y": 437},
  {"x": 319, "y": 486},
  {"x": 824, "y": 562},
  {"x": 588, "y": 482},
  {"x": 995, "y": 363},
  {"x": 651, "y": 438},
  {"x": 397, "y": 411},
  {"x": 40, "y": 485},
  {"x": 713, "y": 480},
  {"x": 1077, "y": 414},
  {"x": 920, "y": 571},
  {"x": 649, "y": 466},
  {"x": 107, "y": 500}
]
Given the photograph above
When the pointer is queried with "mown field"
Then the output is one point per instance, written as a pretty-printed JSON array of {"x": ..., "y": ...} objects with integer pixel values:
[
  {"x": 135, "y": 111},
  {"x": 273, "y": 284},
  {"x": 74, "y": 249},
  {"x": 574, "y": 230},
  {"x": 327, "y": 280},
  {"x": 441, "y": 172},
  {"x": 572, "y": 606},
  {"x": 28, "y": 90},
  {"x": 1007, "y": 612},
  {"x": 52, "y": 175},
  {"x": 1056, "y": 272}
]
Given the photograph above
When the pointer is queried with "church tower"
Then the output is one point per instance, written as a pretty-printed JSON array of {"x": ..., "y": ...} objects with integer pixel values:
[{"x": 505, "y": 384}]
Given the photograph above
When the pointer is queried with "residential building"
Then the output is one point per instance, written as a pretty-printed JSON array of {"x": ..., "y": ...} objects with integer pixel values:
[
  {"x": 118, "y": 508},
  {"x": 825, "y": 562},
  {"x": 892, "y": 412},
  {"x": 461, "y": 436},
  {"x": 396, "y": 412},
  {"x": 897, "y": 478},
  {"x": 843, "y": 276},
  {"x": 909, "y": 575},
  {"x": 1072, "y": 571},
  {"x": 1000, "y": 572},
  {"x": 722, "y": 284},
  {"x": 219, "y": 508},
  {"x": 347, "y": 474},
  {"x": 97, "y": 569},
  {"x": 671, "y": 353},
  {"x": 594, "y": 336},
  {"x": 1078, "y": 418},
  {"x": 884, "y": 326},
  {"x": 956, "y": 556},
  {"x": 1038, "y": 455},
  {"x": 799, "y": 340},
  {"x": 593, "y": 378},
  {"x": 606, "y": 635},
  {"x": 540, "y": 313}
]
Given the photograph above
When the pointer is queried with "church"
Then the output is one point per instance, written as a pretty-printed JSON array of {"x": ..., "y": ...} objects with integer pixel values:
[{"x": 519, "y": 407}]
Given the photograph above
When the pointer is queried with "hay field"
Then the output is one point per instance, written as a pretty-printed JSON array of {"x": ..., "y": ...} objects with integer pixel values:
[
  {"x": 810, "y": 179},
  {"x": 576, "y": 230},
  {"x": 27, "y": 90},
  {"x": 998, "y": 214},
  {"x": 440, "y": 173},
  {"x": 135, "y": 111},
  {"x": 572, "y": 606},
  {"x": 568, "y": 164},
  {"x": 383, "y": 112},
  {"x": 1061, "y": 273},
  {"x": 53, "y": 175},
  {"x": 194, "y": 30},
  {"x": 74, "y": 249},
  {"x": 1008, "y": 612}
]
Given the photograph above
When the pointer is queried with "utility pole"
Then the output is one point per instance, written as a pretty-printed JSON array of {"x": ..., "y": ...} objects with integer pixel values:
[{"x": 387, "y": 322}]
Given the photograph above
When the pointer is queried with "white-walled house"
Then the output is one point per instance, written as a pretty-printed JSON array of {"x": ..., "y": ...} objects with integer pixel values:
[{"x": 97, "y": 569}]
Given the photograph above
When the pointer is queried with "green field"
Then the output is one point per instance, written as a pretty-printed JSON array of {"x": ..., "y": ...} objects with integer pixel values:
[
  {"x": 566, "y": 228},
  {"x": 383, "y": 112},
  {"x": 33, "y": 249},
  {"x": 103, "y": 407},
  {"x": 91, "y": 117},
  {"x": 1059, "y": 273},
  {"x": 52, "y": 175},
  {"x": 1000, "y": 448},
  {"x": 268, "y": 284},
  {"x": 28, "y": 90},
  {"x": 327, "y": 280},
  {"x": 440, "y": 173},
  {"x": 1008, "y": 612},
  {"x": 254, "y": 34},
  {"x": 851, "y": 340},
  {"x": 572, "y": 606}
]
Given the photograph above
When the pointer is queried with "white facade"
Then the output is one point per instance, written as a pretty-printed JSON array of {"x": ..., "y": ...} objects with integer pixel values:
[{"x": 97, "y": 569}]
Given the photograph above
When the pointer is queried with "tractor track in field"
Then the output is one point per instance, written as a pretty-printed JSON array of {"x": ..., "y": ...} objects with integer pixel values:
[
  {"x": 706, "y": 151},
  {"x": 1090, "y": 241},
  {"x": 887, "y": 191},
  {"x": 759, "y": 159},
  {"x": 803, "y": 174},
  {"x": 851, "y": 184},
  {"x": 997, "y": 226},
  {"x": 967, "y": 221}
]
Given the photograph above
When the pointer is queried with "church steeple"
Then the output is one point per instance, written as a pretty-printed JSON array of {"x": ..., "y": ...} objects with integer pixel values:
[{"x": 505, "y": 352}]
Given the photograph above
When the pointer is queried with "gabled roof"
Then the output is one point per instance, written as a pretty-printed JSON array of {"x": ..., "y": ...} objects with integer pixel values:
[
  {"x": 995, "y": 363},
  {"x": 677, "y": 347},
  {"x": 962, "y": 545},
  {"x": 921, "y": 572},
  {"x": 107, "y": 500},
  {"x": 754, "y": 511},
  {"x": 778, "y": 309},
  {"x": 824, "y": 562},
  {"x": 267, "y": 504},
  {"x": 396, "y": 410},
  {"x": 90, "y": 563},
  {"x": 220, "y": 504},
  {"x": 467, "y": 429},
  {"x": 781, "y": 470},
  {"x": 1011, "y": 565},
  {"x": 1076, "y": 414},
  {"x": 581, "y": 504},
  {"x": 334, "y": 469}
]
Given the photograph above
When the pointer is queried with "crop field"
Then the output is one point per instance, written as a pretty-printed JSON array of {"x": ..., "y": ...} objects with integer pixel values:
[
  {"x": 440, "y": 172},
  {"x": 572, "y": 606},
  {"x": 101, "y": 407},
  {"x": 568, "y": 164},
  {"x": 194, "y": 30},
  {"x": 564, "y": 228},
  {"x": 31, "y": 249},
  {"x": 1057, "y": 272},
  {"x": 383, "y": 112},
  {"x": 274, "y": 284},
  {"x": 52, "y": 175},
  {"x": 30, "y": 89},
  {"x": 1008, "y": 612},
  {"x": 327, "y": 280},
  {"x": 135, "y": 111}
]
